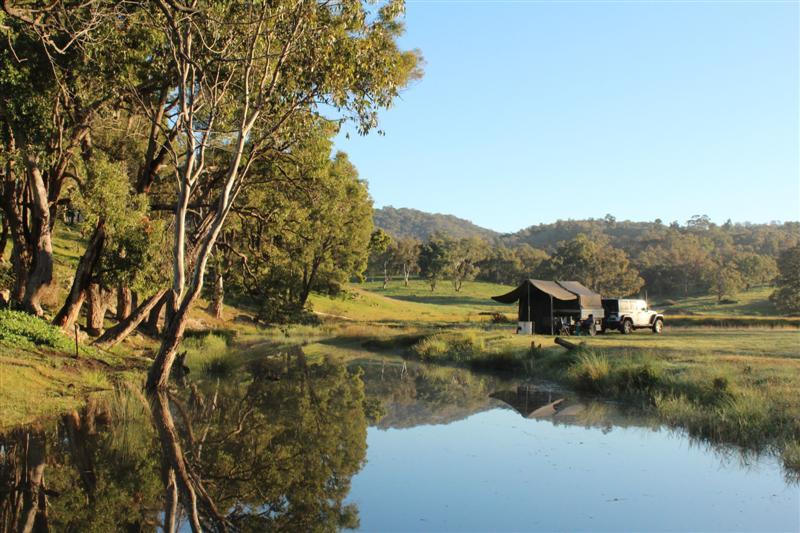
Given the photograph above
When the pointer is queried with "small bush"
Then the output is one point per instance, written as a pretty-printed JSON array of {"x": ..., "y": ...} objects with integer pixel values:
[
  {"x": 451, "y": 346},
  {"x": 432, "y": 347},
  {"x": 726, "y": 301},
  {"x": 499, "y": 318},
  {"x": 19, "y": 328}
]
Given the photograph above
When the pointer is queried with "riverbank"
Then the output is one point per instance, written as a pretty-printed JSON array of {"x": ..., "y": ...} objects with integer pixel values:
[
  {"x": 728, "y": 386},
  {"x": 732, "y": 385},
  {"x": 42, "y": 376}
]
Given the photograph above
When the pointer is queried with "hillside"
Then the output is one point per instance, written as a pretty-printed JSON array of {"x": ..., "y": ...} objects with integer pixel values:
[{"x": 411, "y": 223}]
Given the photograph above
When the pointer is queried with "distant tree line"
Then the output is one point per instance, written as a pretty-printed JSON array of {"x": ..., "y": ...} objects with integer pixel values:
[{"x": 613, "y": 258}]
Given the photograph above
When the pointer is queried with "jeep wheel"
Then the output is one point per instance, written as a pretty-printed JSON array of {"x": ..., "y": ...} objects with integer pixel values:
[
  {"x": 627, "y": 326},
  {"x": 658, "y": 326}
]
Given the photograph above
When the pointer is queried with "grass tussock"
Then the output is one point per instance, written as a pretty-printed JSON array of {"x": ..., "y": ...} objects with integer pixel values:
[
  {"x": 743, "y": 417},
  {"x": 471, "y": 347},
  {"x": 209, "y": 354}
]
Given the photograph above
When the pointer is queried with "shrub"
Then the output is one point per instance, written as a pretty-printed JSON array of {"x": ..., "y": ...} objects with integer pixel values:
[
  {"x": 19, "y": 328},
  {"x": 432, "y": 347},
  {"x": 499, "y": 318},
  {"x": 451, "y": 346}
]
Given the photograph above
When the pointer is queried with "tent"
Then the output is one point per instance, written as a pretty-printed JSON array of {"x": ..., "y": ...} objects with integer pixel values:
[
  {"x": 542, "y": 301},
  {"x": 530, "y": 402},
  {"x": 590, "y": 301}
]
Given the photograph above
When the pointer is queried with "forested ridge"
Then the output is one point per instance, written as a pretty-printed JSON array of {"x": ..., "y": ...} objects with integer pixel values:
[
  {"x": 617, "y": 258},
  {"x": 404, "y": 222}
]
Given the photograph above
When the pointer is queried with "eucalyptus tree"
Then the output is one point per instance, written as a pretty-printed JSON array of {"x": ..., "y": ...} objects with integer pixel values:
[
  {"x": 251, "y": 76},
  {"x": 787, "y": 294},
  {"x": 434, "y": 260},
  {"x": 382, "y": 253},
  {"x": 304, "y": 227},
  {"x": 465, "y": 255},
  {"x": 67, "y": 64},
  {"x": 406, "y": 256}
]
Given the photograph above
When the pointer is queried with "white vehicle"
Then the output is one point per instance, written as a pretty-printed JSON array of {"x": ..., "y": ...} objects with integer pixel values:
[{"x": 628, "y": 315}]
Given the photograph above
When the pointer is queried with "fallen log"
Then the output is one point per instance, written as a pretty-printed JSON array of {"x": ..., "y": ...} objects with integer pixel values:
[
  {"x": 565, "y": 343},
  {"x": 116, "y": 334}
]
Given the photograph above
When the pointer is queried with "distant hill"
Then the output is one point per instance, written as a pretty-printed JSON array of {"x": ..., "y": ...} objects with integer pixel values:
[
  {"x": 633, "y": 237},
  {"x": 411, "y": 223}
]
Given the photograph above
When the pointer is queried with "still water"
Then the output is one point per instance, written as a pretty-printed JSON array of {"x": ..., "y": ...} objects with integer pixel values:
[{"x": 289, "y": 444}]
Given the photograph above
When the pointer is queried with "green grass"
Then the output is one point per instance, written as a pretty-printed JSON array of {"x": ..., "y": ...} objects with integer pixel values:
[
  {"x": 413, "y": 304},
  {"x": 754, "y": 302},
  {"x": 729, "y": 386},
  {"x": 209, "y": 354}
]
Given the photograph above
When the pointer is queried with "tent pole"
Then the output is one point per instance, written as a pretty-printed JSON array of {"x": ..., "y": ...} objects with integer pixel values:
[
  {"x": 529, "y": 307},
  {"x": 551, "y": 315}
]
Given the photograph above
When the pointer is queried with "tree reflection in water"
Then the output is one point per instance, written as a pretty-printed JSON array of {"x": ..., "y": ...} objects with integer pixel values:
[{"x": 275, "y": 448}]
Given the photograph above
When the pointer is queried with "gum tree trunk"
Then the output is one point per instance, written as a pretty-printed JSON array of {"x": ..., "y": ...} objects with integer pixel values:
[
  {"x": 219, "y": 295},
  {"x": 180, "y": 482},
  {"x": 42, "y": 250},
  {"x": 116, "y": 334},
  {"x": 124, "y": 302},
  {"x": 96, "y": 311},
  {"x": 83, "y": 276}
]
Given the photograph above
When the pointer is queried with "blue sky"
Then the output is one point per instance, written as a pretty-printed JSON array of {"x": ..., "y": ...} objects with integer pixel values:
[{"x": 532, "y": 111}]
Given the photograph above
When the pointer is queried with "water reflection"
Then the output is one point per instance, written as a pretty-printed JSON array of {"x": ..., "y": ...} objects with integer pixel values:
[
  {"x": 279, "y": 445},
  {"x": 274, "y": 449}
]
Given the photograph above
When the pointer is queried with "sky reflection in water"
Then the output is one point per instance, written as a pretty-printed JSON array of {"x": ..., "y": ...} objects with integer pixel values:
[{"x": 498, "y": 471}]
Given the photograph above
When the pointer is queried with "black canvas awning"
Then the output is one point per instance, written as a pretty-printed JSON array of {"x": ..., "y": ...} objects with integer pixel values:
[
  {"x": 588, "y": 298},
  {"x": 548, "y": 287}
]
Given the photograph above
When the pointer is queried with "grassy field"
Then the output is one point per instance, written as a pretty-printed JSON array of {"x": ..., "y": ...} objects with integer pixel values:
[
  {"x": 737, "y": 385},
  {"x": 370, "y": 302},
  {"x": 415, "y": 303},
  {"x": 754, "y": 302}
]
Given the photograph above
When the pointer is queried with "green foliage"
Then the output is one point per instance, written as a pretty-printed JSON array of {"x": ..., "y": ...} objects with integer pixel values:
[
  {"x": 596, "y": 264},
  {"x": 461, "y": 346},
  {"x": 311, "y": 236},
  {"x": 22, "y": 329},
  {"x": 787, "y": 295},
  {"x": 434, "y": 261},
  {"x": 726, "y": 281},
  {"x": 209, "y": 354},
  {"x": 590, "y": 372},
  {"x": 135, "y": 246},
  {"x": 420, "y": 226}
]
